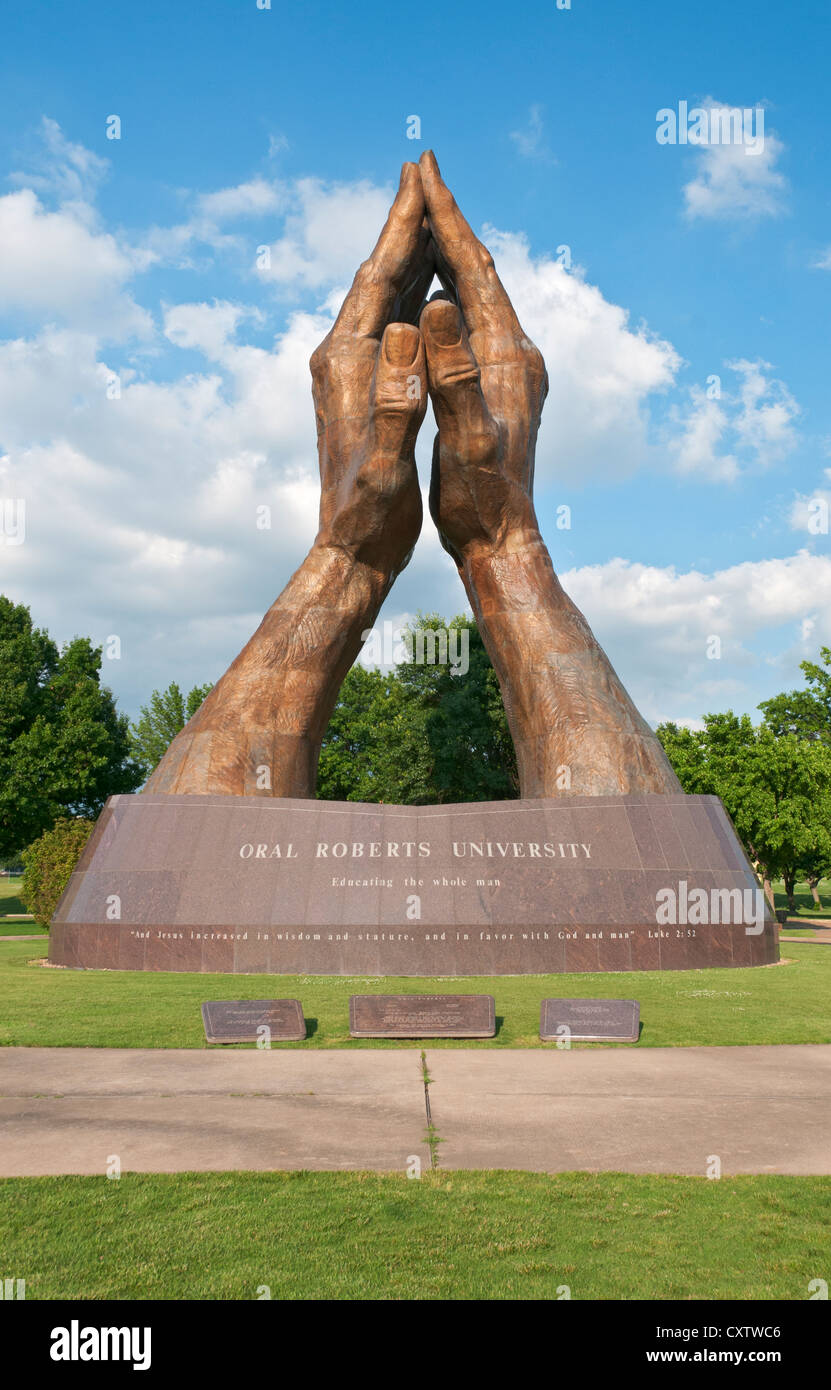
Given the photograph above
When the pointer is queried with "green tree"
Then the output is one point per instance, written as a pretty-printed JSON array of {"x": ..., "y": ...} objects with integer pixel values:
[
  {"x": 48, "y": 865},
  {"x": 354, "y": 755},
  {"x": 422, "y": 734},
  {"x": 805, "y": 713},
  {"x": 160, "y": 721},
  {"x": 784, "y": 791},
  {"x": 816, "y": 867},
  {"x": 687, "y": 750},
  {"x": 63, "y": 747},
  {"x": 469, "y": 751},
  {"x": 776, "y": 789}
]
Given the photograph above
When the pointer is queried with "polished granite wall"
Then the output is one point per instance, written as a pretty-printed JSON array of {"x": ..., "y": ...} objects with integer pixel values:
[{"x": 259, "y": 884}]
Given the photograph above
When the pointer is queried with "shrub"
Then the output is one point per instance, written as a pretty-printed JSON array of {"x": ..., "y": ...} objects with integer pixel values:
[{"x": 48, "y": 865}]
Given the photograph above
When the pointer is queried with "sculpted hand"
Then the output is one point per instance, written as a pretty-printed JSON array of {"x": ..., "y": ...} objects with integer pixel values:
[
  {"x": 487, "y": 382},
  {"x": 574, "y": 727},
  {"x": 260, "y": 728},
  {"x": 369, "y": 381}
]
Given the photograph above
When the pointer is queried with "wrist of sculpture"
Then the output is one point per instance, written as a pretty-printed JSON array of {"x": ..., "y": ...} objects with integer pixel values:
[
  {"x": 259, "y": 730},
  {"x": 574, "y": 727},
  {"x": 513, "y": 573}
]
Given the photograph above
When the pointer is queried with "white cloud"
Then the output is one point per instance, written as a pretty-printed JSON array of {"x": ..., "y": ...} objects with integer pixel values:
[
  {"x": 812, "y": 512},
  {"x": 736, "y": 180},
  {"x": 142, "y": 511},
  {"x": 724, "y": 433},
  {"x": 206, "y": 226},
  {"x": 53, "y": 266},
  {"x": 206, "y": 327},
  {"x": 243, "y": 200},
  {"x": 169, "y": 469},
  {"x": 601, "y": 371},
  {"x": 69, "y": 171},
  {"x": 56, "y": 263},
  {"x": 655, "y": 624},
  {"x": 530, "y": 141},
  {"x": 765, "y": 422},
  {"x": 329, "y": 231},
  {"x": 696, "y": 446}
]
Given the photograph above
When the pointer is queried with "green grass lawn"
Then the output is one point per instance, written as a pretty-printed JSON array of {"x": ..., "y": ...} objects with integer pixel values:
[
  {"x": 10, "y": 900},
  {"x": 464, "y": 1235},
  {"x": 805, "y": 905},
  {"x": 99, "y": 1008}
]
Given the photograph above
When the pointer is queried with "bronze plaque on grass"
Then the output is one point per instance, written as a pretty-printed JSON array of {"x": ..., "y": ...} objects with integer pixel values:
[
  {"x": 421, "y": 1016},
  {"x": 237, "y": 1020},
  {"x": 590, "y": 1020}
]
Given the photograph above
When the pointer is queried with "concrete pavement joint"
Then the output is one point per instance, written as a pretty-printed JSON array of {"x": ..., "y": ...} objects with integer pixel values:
[
  {"x": 760, "y": 1108},
  {"x": 432, "y": 1138}
]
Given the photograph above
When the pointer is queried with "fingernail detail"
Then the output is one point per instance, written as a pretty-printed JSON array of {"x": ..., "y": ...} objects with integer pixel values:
[
  {"x": 444, "y": 323},
  {"x": 401, "y": 344}
]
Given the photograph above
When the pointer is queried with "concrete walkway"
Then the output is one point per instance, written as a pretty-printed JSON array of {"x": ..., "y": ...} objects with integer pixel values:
[
  {"x": 822, "y": 934},
  {"x": 655, "y": 1110}
]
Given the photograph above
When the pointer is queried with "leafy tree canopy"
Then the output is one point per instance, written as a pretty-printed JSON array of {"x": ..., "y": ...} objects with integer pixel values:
[
  {"x": 49, "y": 863},
  {"x": 805, "y": 713},
  {"x": 776, "y": 788},
  {"x": 420, "y": 734},
  {"x": 63, "y": 747},
  {"x": 160, "y": 721}
]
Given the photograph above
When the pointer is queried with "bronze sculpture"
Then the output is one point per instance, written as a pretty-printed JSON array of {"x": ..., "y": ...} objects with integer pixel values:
[
  {"x": 574, "y": 727},
  {"x": 225, "y": 863}
]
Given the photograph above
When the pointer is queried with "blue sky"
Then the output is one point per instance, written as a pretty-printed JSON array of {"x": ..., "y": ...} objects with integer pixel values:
[{"x": 286, "y": 127}]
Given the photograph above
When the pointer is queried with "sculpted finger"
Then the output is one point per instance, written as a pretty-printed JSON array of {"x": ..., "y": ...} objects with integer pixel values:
[
  {"x": 468, "y": 264},
  {"x": 391, "y": 267},
  {"x": 465, "y": 425},
  {"x": 399, "y": 390},
  {"x": 410, "y": 301},
  {"x": 436, "y": 500},
  {"x": 446, "y": 277}
]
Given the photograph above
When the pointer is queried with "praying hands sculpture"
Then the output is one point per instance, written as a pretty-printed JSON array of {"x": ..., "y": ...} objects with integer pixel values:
[{"x": 574, "y": 727}]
